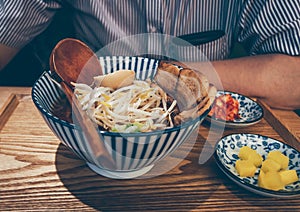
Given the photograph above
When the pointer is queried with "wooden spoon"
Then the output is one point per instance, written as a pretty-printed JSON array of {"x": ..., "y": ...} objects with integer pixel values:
[{"x": 74, "y": 61}]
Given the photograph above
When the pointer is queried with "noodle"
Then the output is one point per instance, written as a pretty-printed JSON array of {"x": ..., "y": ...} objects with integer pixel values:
[{"x": 140, "y": 107}]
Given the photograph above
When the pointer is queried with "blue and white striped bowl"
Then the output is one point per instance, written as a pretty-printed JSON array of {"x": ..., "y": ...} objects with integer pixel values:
[{"x": 134, "y": 153}]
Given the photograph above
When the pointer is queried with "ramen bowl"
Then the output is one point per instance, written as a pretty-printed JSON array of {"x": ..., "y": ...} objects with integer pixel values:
[{"x": 134, "y": 154}]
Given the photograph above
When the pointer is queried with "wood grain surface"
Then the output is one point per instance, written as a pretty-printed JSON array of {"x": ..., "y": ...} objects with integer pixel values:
[
  {"x": 286, "y": 124},
  {"x": 38, "y": 173}
]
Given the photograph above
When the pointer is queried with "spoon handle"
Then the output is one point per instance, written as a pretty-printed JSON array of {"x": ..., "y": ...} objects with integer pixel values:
[{"x": 96, "y": 143}]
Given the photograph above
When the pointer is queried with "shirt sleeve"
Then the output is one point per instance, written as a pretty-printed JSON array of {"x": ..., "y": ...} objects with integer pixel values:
[
  {"x": 23, "y": 20},
  {"x": 271, "y": 26}
]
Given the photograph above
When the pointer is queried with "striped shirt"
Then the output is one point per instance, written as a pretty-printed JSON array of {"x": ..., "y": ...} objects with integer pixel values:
[{"x": 267, "y": 26}]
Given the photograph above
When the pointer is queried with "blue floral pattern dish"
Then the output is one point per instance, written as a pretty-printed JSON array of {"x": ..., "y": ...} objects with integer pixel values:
[
  {"x": 250, "y": 112},
  {"x": 226, "y": 154}
]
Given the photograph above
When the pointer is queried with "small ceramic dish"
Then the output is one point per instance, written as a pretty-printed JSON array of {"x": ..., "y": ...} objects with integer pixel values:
[
  {"x": 250, "y": 112},
  {"x": 226, "y": 154}
]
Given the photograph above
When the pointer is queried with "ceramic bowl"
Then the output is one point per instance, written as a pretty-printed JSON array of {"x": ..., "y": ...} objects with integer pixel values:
[
  {"x": 250, "y": 112},
  {"x": 226, "y": 155},
  {"x": 133, "y": 153}
]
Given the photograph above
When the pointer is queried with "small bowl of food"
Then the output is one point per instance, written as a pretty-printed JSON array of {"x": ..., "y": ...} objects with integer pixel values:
[
  {"x": 234, "y": 110},
  {"x": 260, "y": 164},
  {"x": 139, "y": 118}
]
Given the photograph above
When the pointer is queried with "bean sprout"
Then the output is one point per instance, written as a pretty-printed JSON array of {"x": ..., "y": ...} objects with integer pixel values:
[{"x": 140, "y": 107}]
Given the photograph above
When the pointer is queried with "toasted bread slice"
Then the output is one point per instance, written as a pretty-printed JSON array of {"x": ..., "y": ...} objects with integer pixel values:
[
  {"x": 169, "y": 68},
  {"x": 191, "y": 89},
  {"x": 212, "y": 92},
  {"x": 167, "y": 77},
  {"x": 197, "y": 111},
  {"x": 192, "y": 86},
  {"x": 187, "y": 86}
]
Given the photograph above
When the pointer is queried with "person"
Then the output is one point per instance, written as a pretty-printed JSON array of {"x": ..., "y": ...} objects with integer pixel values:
[{"x": 269, "y": 28}]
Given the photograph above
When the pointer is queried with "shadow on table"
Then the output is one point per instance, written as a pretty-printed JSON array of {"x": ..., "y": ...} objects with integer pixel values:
[{"x": 183, "y": 188}]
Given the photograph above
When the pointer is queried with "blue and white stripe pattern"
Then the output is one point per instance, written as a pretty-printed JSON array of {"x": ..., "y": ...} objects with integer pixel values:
[
  {"x": 21, "y": 21},
  {"x": 130, "y": 151},
  {"x": 268, "y": 26},
  {"x": 272, "y": 26}
]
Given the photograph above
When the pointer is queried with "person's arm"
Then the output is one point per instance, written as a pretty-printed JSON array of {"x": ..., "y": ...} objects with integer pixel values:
[
  {"x": 21, "y": 22},
  {"x": 271, "y": 35},
  {"x": 6, "y": 55},
  {"x": 274, "y": 78}
]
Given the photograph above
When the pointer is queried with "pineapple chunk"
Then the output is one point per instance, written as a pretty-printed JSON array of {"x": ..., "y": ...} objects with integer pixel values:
[
  {"x": 270, "y": 180},
  {"x": 261, "y": 178},
  {"x": 245, "y": 168},
  {"x": 246, "y": 153},
  {"x": 279, "y": 158},
  {"x": 270, "y": 165},
  {"x": 256, "y": 159},
  {"x": 273, "y": 174},
  {"x": 288, "y": 176}
]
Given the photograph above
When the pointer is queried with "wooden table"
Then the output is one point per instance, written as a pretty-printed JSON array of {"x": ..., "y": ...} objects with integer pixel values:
[{"x": 38, "y": 173}]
